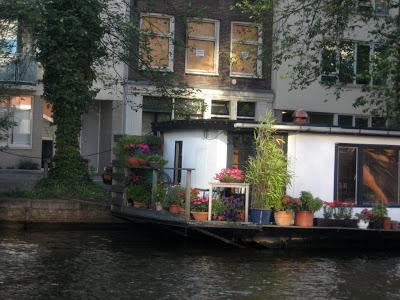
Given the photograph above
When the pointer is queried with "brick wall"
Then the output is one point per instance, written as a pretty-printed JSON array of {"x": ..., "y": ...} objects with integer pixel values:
[{"x": 213, "y": 9}]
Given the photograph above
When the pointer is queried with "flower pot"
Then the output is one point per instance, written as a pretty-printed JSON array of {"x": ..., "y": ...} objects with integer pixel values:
[
  {"x": 133, "y": 162},
  {"x": 260, "y": 216},
  {"x": 283, "y": 218},
  {"x": 139, "y": 205},
  {"x": 176, "y": 209},
  {"x": 386, "y": 223},
  {"x": 362, "y": 224},
  {"x": 220, "y": 218},
  {"x": 200, "y": 215},
  {"x": 304, "y": 218}
]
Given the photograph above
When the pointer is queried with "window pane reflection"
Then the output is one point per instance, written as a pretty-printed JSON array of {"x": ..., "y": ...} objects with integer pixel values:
[
  {"x": 380, "y": 176},
  {"x": 347, "y": 163}
]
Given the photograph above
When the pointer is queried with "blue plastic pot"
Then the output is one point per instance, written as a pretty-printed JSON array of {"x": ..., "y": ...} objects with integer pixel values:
[{"x": 260, "y": 216}]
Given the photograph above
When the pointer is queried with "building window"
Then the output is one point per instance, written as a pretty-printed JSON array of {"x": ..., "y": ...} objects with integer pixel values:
[
  {"x": 321, "y": 119},
  {"x": 367, "y": 174},
  {"x": 202, "y": 47},
  {"x": 349, "y": 63},
  {"x": 378, "y": 122},
  {"x": 155, "y": 109},
  {"x": 220, "y": 109},
  {"x": 246, "y": 110},
  {"x": 20, "y": 110},
  {"x": 157, "y": 48},
  {"x": 380, "y": 7},
  {"x": 9, "y": 37},
  {"x": 361, "y": 122},
  {"x": 345, "y": 121},
  {"x": 246, "y": 42}
]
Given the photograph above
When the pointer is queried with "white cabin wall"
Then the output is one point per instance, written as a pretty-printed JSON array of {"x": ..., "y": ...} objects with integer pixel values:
[
  {"x": 205, "y": 151},
  {"x": 312, "y": 160}
]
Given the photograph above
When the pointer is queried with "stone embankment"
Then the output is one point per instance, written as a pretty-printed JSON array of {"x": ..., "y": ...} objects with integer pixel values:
[{"x": 56, "y": 211}]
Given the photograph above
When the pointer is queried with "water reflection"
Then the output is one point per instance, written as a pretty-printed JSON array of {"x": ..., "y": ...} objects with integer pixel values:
[{"x": 132, "y": 265}]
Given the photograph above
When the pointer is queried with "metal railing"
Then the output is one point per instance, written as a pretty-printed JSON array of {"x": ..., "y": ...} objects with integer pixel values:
[{"x": 18, "y": 69}]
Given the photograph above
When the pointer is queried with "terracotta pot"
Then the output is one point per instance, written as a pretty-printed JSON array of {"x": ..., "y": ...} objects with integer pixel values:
[
  {"x": 142, "y": 162},
  {"x": 133, "y": 162},
  {"x": 283, "y": 218},
  {"x": 304, "y": 218},
  {"x": 176, "y": 209},
  {"x": 220, "y": 218},
  {"x": 139, "y": 205},
  {"x": 386, "y": 223},
  {"x": 200, "y": 215}
]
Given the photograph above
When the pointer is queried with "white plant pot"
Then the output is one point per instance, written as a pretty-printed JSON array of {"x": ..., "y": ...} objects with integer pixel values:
[{"x": 363, "y": 224}]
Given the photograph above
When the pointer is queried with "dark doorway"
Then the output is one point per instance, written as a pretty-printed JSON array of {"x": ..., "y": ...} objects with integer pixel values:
[
  {"x": 47, "y": 150},
  {"x": 178, "y": 162}
]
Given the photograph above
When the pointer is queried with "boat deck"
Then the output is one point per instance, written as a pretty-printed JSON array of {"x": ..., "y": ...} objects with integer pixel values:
[{"x": 269, "y": 236}]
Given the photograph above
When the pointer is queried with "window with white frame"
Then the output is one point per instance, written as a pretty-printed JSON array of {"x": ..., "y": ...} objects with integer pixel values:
[
  {"x": 380, "y": 7},
  {"x": 202, "y": 49},
  {"x": 157, "y": 48},
  {"x": 220, "y": 109},
  {"x": 246, "y": 43},
  {"x": 246, "y": 110},
  {"x": 20, "y": 110},
  {"x": 350, "y": 63}
]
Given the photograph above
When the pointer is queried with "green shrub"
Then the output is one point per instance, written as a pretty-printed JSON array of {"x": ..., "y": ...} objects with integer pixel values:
[
  {"x": 268, "y": 171},
  {"x": 27, "y": 165},
  {"x": 309, "y": 203},
  {"x": 138, "y": 193}
]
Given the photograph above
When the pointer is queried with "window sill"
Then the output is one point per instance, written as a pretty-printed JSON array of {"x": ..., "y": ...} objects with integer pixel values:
[
  {"x": 214, "y": 74},
  {"x": 245, "y": 75}
]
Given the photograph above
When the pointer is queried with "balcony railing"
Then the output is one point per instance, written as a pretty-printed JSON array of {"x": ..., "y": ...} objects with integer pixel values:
[{"x": 18, "y": 69}]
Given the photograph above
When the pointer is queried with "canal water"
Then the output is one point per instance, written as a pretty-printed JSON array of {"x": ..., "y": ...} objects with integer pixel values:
[{"x": 136, "y": 264}]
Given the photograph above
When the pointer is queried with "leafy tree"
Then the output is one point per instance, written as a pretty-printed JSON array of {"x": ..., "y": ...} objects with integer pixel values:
[
  {"x": 305, "y": 28},
  {"x": 77, "y": 43}
]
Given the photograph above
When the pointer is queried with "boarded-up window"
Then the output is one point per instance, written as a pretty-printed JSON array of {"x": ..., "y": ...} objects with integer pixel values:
[
  {"x": 157, "y": 46},
  {"x": 246, "y": 50},
  {"x": 202, "y": 47}
]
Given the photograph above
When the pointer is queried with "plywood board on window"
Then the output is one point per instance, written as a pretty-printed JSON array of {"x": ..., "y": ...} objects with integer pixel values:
[
  {"x": 245, "y": 32},
  {"x": 200, "y": 55},
  {"x": 244, "y": 58},
  {"x": 203, "y": 29},
  {"x": 156, "y": 24},
  {"x": 159, "y": 51}
]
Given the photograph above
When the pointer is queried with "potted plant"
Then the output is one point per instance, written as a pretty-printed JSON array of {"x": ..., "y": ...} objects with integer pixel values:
[
  {"x": 218, "y": 209},
  {"x": 233, "y": 206},
  {"x": 230, "y": 175},
  {"x": 199, "y": 207},
  {"x": 139, "y": 195},
  {"x": 363, "y": 218},
  {"x": 175, "y": 199},
  {"x": 138, "y": 154},
  {"x": 305, "y": 211},
  {"x": 267, "y": 171},
  {"x": 337, "y": 214},
  {"x": 156, "y": 161},
  {"x": 284, "y": 216},
  {"x": 380, "y": 219}
]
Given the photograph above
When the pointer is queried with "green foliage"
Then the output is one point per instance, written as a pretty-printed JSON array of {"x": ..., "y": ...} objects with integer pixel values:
[
  {"x": 157, "y": 160},
  {"x": 268, "y": 170},
  {"x": 27, "y": 165},
  {"x": 325, "y": 25},
  {"x": 52, "y": 189},
  {"x": 379, "y": 211},
  {"x": 174, "y": 195},
  {"x": 218, "y": 207},
  {"x": 138, "y": 193},
  {"x": 309, "y": 203}
]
